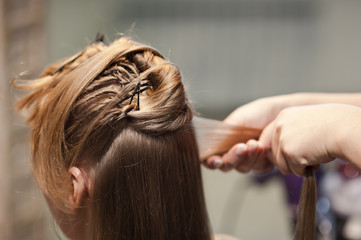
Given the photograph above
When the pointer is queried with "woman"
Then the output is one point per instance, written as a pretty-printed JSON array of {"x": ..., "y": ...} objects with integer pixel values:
[{"x": 114, "y": 149}]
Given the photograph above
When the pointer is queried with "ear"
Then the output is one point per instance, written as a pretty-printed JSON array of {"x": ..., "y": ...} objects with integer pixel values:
[{"x": 80, "y": 190}]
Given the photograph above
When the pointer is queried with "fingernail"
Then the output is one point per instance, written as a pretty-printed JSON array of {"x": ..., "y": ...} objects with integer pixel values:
[
  {"x": 241, "y": 149},
  {"x": 217, "y": 163},
  {"x": 253, "y": 146}
]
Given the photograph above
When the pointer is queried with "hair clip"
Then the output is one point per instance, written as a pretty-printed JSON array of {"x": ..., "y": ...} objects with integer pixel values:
[
  {"x": 138, "y": 90},
  {"x": 98, "y": 38},
  {"x": 134, "y": 92}
]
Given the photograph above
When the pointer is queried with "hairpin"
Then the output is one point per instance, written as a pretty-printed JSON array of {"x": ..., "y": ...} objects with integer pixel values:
[
  {"x": 98, "y": 38},
  {"x": 138, "y": 90}
]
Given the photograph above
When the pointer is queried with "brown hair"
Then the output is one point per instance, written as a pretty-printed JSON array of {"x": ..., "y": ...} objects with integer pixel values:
[
  {"x": 122, "y": 109},
  {"x": 306, "y": 212},
  {"x": 216, "y": 137}
]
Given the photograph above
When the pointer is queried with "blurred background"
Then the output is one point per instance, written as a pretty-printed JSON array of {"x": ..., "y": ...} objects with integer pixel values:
[{"x": 230, "y": 52}]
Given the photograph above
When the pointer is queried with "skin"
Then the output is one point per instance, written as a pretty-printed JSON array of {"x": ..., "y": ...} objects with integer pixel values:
[
  {"x": 312, "y": 135},
  {"x": 73, "y": 225},
  {"x": 294, "y": 137}
]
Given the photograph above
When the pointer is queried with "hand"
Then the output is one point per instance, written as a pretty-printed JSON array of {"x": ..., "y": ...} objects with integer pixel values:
[
  {"x": 243, "y": 157},
  {"x": 303, "y": 136},
  {"x": 250, "y": 156},
  {"x": 258, "y": 113}
]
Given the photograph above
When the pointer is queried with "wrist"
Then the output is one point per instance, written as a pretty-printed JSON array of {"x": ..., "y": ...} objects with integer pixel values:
[
  {"x": 306, "y": 98},
  {"x": 302, "y": 99},
  {"x": 346, "y": 134},
  {"x": 287, "y": 100}
]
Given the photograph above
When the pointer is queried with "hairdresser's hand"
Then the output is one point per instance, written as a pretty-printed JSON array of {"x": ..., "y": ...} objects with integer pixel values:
[
  {"x": 259, "y": 113},
  {"x": 243, "y": 157},
  {"x": 250, "y": 156},
  {"x": 304, "y": 136}
]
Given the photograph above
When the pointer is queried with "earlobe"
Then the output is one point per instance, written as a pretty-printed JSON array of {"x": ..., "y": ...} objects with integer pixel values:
[{"x": 80, "y": 190}]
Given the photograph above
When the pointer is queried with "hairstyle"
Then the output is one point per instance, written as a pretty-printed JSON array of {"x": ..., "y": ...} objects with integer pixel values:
[{"x": 122, "y": 109}]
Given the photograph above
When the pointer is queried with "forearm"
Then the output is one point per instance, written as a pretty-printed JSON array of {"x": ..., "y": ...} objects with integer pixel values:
[
  {"x": 347, "y": 141},
  {"x": 299, "y": 99}
]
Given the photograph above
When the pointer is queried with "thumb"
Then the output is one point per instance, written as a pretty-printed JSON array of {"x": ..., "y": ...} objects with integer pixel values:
[
  {"x": 266, "y": 140},
  {"x": 267, "y": 135}
]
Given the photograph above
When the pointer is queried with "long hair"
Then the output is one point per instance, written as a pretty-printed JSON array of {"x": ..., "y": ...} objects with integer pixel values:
[{"x": 122, "y": 109}]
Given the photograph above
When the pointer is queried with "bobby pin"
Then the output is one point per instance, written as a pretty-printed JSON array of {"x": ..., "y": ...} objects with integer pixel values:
[{"x": 140, "y": 90}]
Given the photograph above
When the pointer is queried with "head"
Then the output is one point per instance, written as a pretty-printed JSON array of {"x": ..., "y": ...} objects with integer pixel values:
[{"x": 113, "y": 145}]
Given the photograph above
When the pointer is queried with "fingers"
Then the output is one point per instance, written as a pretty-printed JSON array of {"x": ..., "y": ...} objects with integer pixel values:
[
  {"x": 286, "y": 161},
  {"x": 213, "y": 162},
  {"x": 243, "y": 157},
  {"x": 262, "y": 164},
  {"x": 235, "y": 156},
  {"x": 275, "y": 147},
  {"x": 248, "y": 158},
  {"x": 271, "y": 138},
  {"x": 229, "y": 160},
  {"x": 282, "y": 162}
]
